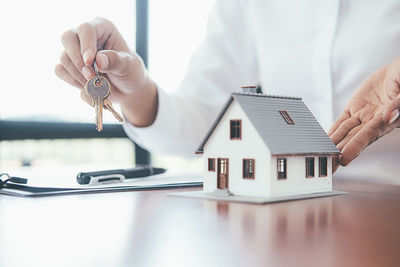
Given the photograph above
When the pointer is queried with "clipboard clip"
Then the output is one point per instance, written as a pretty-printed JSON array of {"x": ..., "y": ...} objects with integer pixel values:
[
  {"x": 8, "y": 178},
  {"x": 106, "y": 179}
]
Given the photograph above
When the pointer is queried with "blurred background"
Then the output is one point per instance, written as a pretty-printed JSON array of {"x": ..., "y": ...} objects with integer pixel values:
[{"x": 30, "y": 91}]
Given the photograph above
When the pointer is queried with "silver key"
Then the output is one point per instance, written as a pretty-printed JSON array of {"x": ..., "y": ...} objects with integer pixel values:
[
  {"x": 98, "y": 87},
  {"x": 107, "y": 105}
]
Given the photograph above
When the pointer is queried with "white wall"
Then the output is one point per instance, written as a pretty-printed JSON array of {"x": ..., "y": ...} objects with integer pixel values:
[
  {"x": 296, "y": 181},
  {"x": 219, "y": 145}
]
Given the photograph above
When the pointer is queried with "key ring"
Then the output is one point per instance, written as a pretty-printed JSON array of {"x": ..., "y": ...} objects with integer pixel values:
[
  {"x": 5, "y": 174},
  {"x": 2, "y": 183},
  {"x": 9, "y": 178},
  {"x": 96, "y": 70}
]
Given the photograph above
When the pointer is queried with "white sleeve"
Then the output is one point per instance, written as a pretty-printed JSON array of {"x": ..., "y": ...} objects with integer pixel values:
[{"x": 224, "y": 62}]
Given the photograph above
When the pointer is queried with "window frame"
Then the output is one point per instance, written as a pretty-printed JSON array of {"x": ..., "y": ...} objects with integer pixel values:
[
  {"x": 240, "y": 129},
  {"x": 254, "y": 169},
  {"x": 213, "y": 164},
  {"x": 320, "y": 164},
  {"x": 308, "y": 161},
  {"x": 285, "y": 115},
  {"x": 284, "y": 160}
]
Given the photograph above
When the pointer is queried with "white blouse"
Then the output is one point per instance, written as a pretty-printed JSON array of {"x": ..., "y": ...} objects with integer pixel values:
[{"x": 318, "y": 50}]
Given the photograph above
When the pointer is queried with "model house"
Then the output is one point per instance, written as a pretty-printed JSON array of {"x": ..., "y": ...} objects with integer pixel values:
[{"x": 266, "y": 146}]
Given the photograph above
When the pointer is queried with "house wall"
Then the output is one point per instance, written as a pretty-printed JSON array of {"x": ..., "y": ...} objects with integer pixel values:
[
  {"x": 250, "y": 146},
  {"x": 296, "y": 181}
]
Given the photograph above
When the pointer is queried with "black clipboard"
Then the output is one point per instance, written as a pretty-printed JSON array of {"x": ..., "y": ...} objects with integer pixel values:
[
  {"x": 32, "y": 191},
  {"x": 17, "y": 186}
]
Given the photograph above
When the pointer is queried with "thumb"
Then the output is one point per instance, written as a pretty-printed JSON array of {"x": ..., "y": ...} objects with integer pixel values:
[
  {"x": 117, "y": 63},
  {"x": 391, "y": 112}
]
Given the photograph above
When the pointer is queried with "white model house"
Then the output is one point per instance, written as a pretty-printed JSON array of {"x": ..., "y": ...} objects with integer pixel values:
[{"x": 267, "y": 146}]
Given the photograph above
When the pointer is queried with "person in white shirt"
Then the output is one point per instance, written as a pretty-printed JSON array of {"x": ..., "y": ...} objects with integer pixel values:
[{"x": 327, "y": 52}]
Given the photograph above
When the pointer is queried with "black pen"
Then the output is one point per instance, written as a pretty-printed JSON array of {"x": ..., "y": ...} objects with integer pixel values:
[{"x": 119, "y": 175}]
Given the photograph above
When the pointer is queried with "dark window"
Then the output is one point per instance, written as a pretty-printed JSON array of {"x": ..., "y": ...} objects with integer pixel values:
[
  {"x": 236, "y": 129},
  {"x": 281, "y": 168},
  {"x": 310, "y": 167},
  {"x": 248, "y": 168},
  {"x": 211, "y": 165},
  {"x": 323, "y": 166},
  {"x": 286, "y": 117}
]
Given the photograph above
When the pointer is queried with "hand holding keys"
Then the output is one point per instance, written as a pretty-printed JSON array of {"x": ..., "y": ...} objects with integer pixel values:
[{"x": 96, "y": 92}]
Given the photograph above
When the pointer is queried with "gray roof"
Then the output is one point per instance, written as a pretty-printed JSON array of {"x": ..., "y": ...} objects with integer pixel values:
[{"x": 305, "y": 136}]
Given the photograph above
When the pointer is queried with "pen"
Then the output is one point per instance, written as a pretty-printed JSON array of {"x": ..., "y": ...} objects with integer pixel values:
[{"x": 119, "y": 175}]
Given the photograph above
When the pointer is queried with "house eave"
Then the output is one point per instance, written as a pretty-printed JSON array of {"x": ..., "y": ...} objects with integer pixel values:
[
  {"x": 305, "y": 154},
  {"x": 215, "y": 124}
]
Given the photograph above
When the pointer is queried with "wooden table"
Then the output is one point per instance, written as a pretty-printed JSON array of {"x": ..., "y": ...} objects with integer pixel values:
[{"x": 150, "y": 228}]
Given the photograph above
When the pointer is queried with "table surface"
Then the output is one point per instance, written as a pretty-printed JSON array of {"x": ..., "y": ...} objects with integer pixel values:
[{"x": 149, "y": 228}]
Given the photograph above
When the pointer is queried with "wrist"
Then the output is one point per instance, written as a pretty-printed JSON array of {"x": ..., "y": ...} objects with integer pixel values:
[{"x": 140, "y": 107}]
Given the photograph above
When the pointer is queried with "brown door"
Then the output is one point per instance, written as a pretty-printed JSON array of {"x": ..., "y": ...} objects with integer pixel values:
[{"x": 223, "y": 173}]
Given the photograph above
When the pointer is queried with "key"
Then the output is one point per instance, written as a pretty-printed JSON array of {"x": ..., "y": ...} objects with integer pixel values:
[
  {"x": 108, "y": 105},
  {"x": 98, "y": 88}
]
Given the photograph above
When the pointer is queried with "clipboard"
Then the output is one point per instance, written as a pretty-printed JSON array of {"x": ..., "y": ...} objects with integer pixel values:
[{"x": 167, "y": 180}]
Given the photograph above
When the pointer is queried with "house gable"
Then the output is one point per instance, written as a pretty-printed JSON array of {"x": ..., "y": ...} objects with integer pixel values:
[
  {"x": 220, "y": 138},
  {"x": 249, "y": 146},
  {"x": 200, "y": 149}
]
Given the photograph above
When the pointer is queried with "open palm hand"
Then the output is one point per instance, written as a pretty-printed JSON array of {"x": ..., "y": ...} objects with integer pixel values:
[{"x": 371, "y": 113}]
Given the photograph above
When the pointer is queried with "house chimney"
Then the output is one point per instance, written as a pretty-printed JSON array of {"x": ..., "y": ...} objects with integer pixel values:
[{"x": 251, "y": 89}]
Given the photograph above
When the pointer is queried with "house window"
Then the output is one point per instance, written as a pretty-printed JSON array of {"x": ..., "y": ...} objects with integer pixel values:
[
  {"x": 323, "y": 166},
  {"x": 236, "y": 130},
  {"x": 248, "y": 168},
  {"x": 310, "y": 167},
  {"x": 211, "y": 165},
  {"x": 281, "y": 168},
  {"x": 222, "y": 166},
  {"x": 286, "y": 116}
]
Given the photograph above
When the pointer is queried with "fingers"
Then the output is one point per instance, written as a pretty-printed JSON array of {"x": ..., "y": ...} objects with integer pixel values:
[
  {"x": 343, "y": 129},
  {"x": 87, "y": 37},
  {"x": 87, "y": 72},
  {"x": 364, "y": 137},
  {"x": 71, "y": 69},
  {"x": 391, "y": 113},
  {"x": 394, "y": 115},
  {"x": 348, "y": 137},
  {"x": 335, "y": 163},
  {"x": 117, "y": 63},
  {"x": 344, "y": 116},
  {"x": 81, "y": 45},
  {"x": 64, "y": 75},
  {"x": 71, "y": 44}
]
